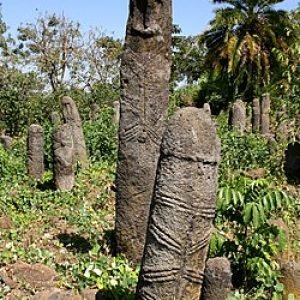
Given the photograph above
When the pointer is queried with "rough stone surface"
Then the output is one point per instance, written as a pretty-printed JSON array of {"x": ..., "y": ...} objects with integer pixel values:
[
  {"x": 183, "y": 209},
  {"x": 265, "y": 114},
  {"x": 63, "y": 158},
  {"x": 217, "y": 279},
  {"x": 35, "y": 149},
  {"x": 56, "y": 294},
  {"x": 94, "y": 111},
  {"x": 72, "y": 118},
  {"x": 6, "y": 141},
  {"x": 35, "y": 276},
  {"x": 282, "y": 129},
  {"x": 206, "y": 108},
  {"x": 255, "y": 115},
  {"x": 291, "y": 279},
  {"x": 90, "y": 294},
  {"x": 145, "y": 73},
  {"x": 238, "y": 116},
  {"x": 255, "y": 174}
]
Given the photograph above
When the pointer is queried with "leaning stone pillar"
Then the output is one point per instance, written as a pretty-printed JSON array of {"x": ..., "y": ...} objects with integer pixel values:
[
  {"x": 63, "y": 147},
  {"x": 183, "y": 209},
  {"x": 238, "y": 116},
  {"x": 72, "y": 118},
  {"x": 217, "y": 279},
  {"x": 35, "y": 149},
  {"x": 255, "y": 115},
  {"x": 145, "y": 73},
  {"x": 265, "y": 114}
]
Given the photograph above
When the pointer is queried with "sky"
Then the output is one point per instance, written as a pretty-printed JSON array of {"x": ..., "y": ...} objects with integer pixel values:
[{"x": 192, "y": 16}]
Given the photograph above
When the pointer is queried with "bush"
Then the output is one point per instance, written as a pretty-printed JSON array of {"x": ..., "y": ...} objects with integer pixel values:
[{"x": 101, "y": 136}]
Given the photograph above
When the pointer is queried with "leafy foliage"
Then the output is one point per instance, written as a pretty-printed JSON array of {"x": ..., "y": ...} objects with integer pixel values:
[{"x": 246, "y": 235}]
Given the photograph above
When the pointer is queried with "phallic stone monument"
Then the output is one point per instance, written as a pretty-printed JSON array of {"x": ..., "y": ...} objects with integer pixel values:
[
  {"x": 217, "y": 279},
  {"x": 94, "y": 111},
  {"x": 238, "y": 116},
  {"x": 255, "y": 115},
  {"x": 145, "y": 73},
  {"x": 63, "y": 147},
  {"x": 35, "y": 149},
  {"x": 206, "y": 108},
  {"x": 6, "y": 141},
  {"x": 265, "y": 114},
  {"x": 282, "y": 129},
  {"x": 72, "y": 118},
  {"x": 183, "y": 209}
]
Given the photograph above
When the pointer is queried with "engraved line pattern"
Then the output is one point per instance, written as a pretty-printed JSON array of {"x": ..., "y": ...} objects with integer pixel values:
[
  {"x": 193, "y": 276},
  {"x": 172, "y": 201},
  {"x": 179, "y": 204},
  {"x": 208, "y": 213},
  {"x": 146, "y": 295},
  {"x": 132, "y": 132},
  {"x": 201, "y": 244},
  {"x": 152, "y": 275},
  {"x": 163, "y": 238}
]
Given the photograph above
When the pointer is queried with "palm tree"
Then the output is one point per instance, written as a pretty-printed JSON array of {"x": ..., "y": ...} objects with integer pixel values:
[{"x": 241, "y": 41}]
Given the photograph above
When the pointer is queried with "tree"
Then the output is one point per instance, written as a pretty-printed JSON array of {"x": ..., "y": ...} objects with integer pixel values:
[
  {"x": 241, "y": 41},
  {"x": 54, "y": 46},
  {"x": 188, "y": 58},
  {"x": 102, "y": 55}
]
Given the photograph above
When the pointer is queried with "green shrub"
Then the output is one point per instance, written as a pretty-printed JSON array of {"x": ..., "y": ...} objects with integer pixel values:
[
  {"x": 101, "y": 136},
  {"x": 247, "y": 237}
]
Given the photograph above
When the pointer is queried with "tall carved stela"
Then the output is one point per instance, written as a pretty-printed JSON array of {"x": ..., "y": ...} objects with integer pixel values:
[{"x": 145, "y": 74}]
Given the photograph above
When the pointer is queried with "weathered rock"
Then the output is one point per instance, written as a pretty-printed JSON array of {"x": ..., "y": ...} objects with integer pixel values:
[
  {"x": 94, "y": 111},
  {"x": 255, "y": 115},
  {"x": 35, "y": 149},
  {"x": 145, "y": 73},
  {"x": 254, "y": 174},
  {"x": 265, "y": 114},
  {"x": 282, "y": 129},
  {"x": 35, "y": 276},
  {"x": 291, "y": 279},
  {"x": 217, "y": 279},
  {"x": 63, "y": 147},
  {"x": 72, "y": 118},
  {"x": 238, "y": 116},
  {"x": 6, "y": 141},
  {"x": 183, "y": 209},
  {"x": 90, "y": 294},
  {"x": 56, "y": 294},
  {"x": 55, "y": 118},
  {"x": 206, "y": 108}
]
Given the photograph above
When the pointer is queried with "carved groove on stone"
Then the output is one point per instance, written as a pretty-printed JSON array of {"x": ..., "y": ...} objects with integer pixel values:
[
  {"x": 172, "y": 201},
  {"x": 148, "y": 296},
  {"x": 194, "y": 277},
  {"x": 154, "y": 275},
  {"x": 163, "y": 238},
  {"x": 202, "y": 244}
]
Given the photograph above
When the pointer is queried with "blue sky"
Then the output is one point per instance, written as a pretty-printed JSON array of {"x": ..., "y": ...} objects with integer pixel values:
[{"x": 110, "y": 15}]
